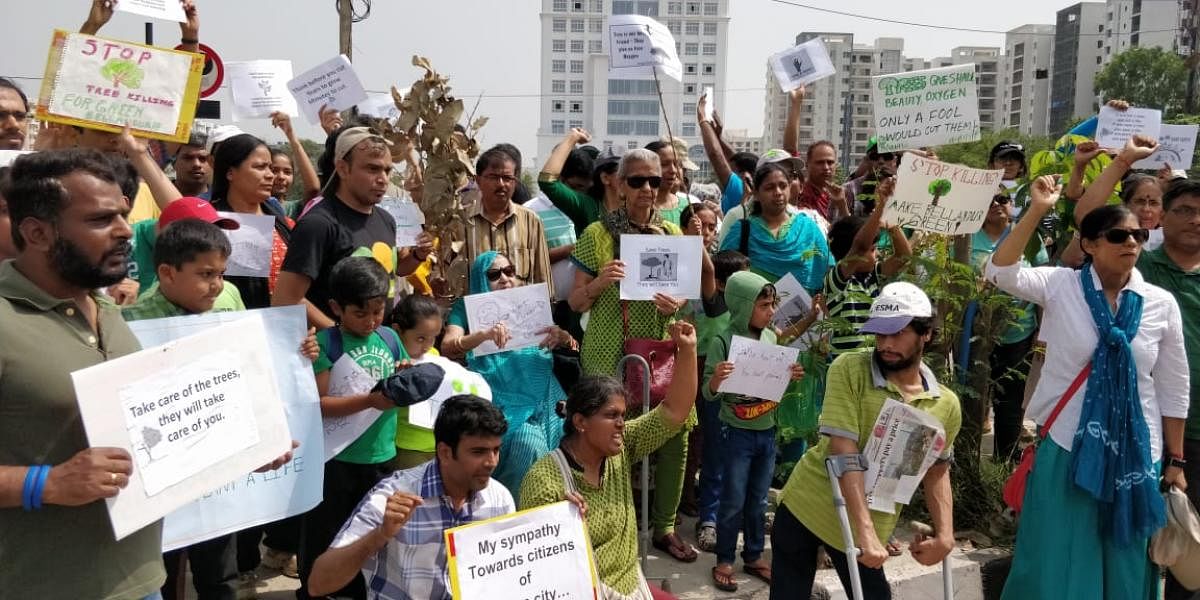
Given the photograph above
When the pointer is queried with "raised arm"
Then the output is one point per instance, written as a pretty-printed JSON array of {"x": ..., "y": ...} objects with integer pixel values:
[
  {"x": 558, "y": 156},
  {"x": 1085, "y": 153},
  {"x": 308, "y": 174},
  {"x": 712, "y": 145},
  {"x": 1043, "y": 194},
  {"x": 681, "y": 394},
  {"x": 189, "y": 30},
  {"x": 791, "y": 130},
  {"x": 1097, "y": 194},
  {"x": 864, "y": 240},
  {"x": 161, "y": 187},
  {"x": 98, "y": 16}
]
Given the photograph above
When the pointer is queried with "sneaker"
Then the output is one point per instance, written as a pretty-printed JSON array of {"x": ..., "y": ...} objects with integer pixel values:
[
  {"x": 284, "y": 562},
  {"x": 247, "y": 585},
  {"x": 706, "y": 538}
]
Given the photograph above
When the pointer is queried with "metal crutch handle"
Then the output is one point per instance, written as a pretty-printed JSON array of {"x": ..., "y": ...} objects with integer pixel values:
[{"x": 838, "y": 465}]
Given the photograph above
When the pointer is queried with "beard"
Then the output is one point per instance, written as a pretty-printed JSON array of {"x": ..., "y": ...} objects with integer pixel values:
[
  {"x": 897, "y": 365},
  {"x": 75, "y": 269}
]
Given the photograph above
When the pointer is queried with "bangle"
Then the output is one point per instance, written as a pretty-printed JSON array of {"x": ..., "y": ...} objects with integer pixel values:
[
  {"x": 39, "y": 486},
  {"x": 186, "y": 41},
  {"x": 27, "y": 490}
]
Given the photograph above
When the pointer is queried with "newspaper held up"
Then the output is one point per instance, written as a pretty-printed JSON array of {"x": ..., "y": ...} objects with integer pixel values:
[{"x": 904, "y": 443}]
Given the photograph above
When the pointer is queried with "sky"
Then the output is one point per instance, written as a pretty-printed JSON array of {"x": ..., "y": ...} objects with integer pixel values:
[{"x": 492, "y": 47}]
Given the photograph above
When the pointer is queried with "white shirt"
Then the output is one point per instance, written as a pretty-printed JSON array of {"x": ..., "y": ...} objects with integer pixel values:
[{"x": 1070, "y": 335}]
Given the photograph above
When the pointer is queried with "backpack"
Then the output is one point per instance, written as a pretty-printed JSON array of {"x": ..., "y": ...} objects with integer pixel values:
[{"x": 389, "y": 337}]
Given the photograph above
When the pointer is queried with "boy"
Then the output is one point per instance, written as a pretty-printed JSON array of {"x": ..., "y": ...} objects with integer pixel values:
[
  {"x": 359, "y": 290},
  {"x": 747, "y": 432}
]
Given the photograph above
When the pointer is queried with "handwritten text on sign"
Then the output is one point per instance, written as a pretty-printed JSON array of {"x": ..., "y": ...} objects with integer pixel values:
[
  {"x": 941, "y": 197},
  {"x": 760, "y": 370},
  {"x": 926, "y": 108},
  {"x": 541, "y": 553}
]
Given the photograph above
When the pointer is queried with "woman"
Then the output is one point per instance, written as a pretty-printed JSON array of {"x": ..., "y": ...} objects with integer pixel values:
[
  {"x": 583, "y": 209},
  {"x": 596, "y": 457},
  {"x": 284, "y": 169},
  {"x": 1093, "y": 497},
  {"x": 669, "y": 203},
  {"x": 612, "y": 321},
  {"x": 778, "y": 242},
  {"x": 522, "y": 381}
]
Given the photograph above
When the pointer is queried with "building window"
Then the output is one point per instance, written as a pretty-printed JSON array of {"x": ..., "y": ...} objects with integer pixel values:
[
  {"x": 576, "y": 124},
  {"x": 710, "y": 29},
  {"x": 631, "y": 87},
  {"x": 690, "y": 89},
  {"x": 577, "y": 66},
  {"x": 674, "y": 27},
  {"x": 595, "y": 25},
  {"x": 558, "y": 86},
  {"x": 595, "y": 47},
  {"x": 691, "y": 49},
  {"x": 577, "y": 25},
  {"x": 560, "y": 26},
  {"x": 558, "y": 126},
  {"x": 710, "y": 49},
  {"x": 640, "y": 108},
  {"x": 689, "y": 108},
  {"x": 558, "y": 45},
  {"x": 577, "y": 5},
  {"x": 558, "y": 66},
  {"x": 620, "y": 127},
  {"x": 560, "y": 5},
  {"x": 576, "y": 86},
  {"x": 710, "y": 9},
  {"x": 710, "y": 68},
  {"x": 693, "y": 8},
  {"x": 674, "y": 8},
  {"x": 596, "y": 6},
  {"x": 692, "y": 28},
  {"x": 631, "y": 144},
  {"x": 689, "y": 68},
  {"x": 576, "y": 46},
  {"x": 689, "y": 130},
  {"x": 557, "y": 105},
  {"x": 622, "y": 7},
  {"x": 648, "y": 8},
  {"x": 576, "y": 107},
  {"x": 645, "y": 127}
]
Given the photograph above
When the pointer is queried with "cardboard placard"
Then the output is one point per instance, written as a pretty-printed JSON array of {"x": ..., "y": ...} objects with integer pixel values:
[{"x": 926, "y": 108}]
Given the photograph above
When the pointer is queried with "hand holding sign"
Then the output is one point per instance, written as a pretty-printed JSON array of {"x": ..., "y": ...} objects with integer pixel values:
[{"x": 90, "y": 475}]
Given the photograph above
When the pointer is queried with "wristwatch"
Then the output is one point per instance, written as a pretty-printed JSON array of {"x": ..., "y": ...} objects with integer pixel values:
[{"x": 1175, "y": 461}]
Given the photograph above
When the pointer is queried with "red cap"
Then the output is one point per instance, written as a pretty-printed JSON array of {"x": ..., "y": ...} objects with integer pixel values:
[{"x": 190, "y": 207}]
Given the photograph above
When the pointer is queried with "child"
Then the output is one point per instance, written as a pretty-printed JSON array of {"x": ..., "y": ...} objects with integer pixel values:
[
  {"x": 418, "y": 321},
  {"x": 747, "y": 432},
  {"x": 359, "y": 287}
]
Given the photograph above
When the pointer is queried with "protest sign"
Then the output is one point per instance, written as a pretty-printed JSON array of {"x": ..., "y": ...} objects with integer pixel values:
[
  {"x": 542, "y": 553},
  {"x": 410, "y": 221},
  {"x": 252, "y": 243},
  {"x": 638, "y": 44},
  {"x": 381, "y": 106},
  {"x": 1114, "y": 127},
  {"x": 260, "y": 87},
  {"x": 254, "y": 498},
  {"x": 941, "y": 197},
  {"x": 457, "y": 380},
  {"x": 904, "y": 443},
  {"x": 524, "y": 310},
  {"x": 8, "y": 156},
  {"x": 1176, "y": 147},
  {"x": 710, "y": 106},
  {"x": 194, "y": 413},
  {"x": 760, "y": 370},
  {"x": 802, "y": 65},
  {"x": 105, "y": 84},
  {"x": 167, "y": 10},
  {"x": 333, "y": 84},
  {"x": 926, "y": 108},
  {"x": 667, "y": 264},
  {"x": 346, "y": 378},
  {"x": 794, "y": 305}
]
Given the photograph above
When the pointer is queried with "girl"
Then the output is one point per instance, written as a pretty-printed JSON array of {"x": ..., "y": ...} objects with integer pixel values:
[{"x": 418, "y": 321}]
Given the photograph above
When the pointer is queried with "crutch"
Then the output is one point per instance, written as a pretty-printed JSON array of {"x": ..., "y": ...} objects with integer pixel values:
[
  {"x": 947, "y": 571},
  {"x": 644, "y": 532},
  {"x": 838, "y": 465}
]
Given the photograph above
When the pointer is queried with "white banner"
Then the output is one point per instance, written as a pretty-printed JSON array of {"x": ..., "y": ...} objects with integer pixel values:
[
  {"x": 332, "y": 83},
  {"x": 941, "y": 197},
  {"x": 1115, "y": 127},
  {"x": 926, "y": 108},
  {"x": 260, "y": 87},
  {"x": 802, "y": 65},
  {"x": 667, "y": 264},
  {"x": 1176, "y": 147},
  {"x": 637, "y": 44},
  {"x": 760, "y": 370}
]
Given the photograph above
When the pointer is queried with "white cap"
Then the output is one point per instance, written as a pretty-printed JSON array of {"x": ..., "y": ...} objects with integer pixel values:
[
  {"x": 895, "y": 307},
  {"x": 220, "y": 134}
]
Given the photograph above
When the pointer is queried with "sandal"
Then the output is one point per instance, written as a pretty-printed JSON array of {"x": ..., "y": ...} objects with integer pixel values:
[
  {"x": 724, "y": 580},
  {"x": 677, "y": 548},
  {"x": 761, "y": 572}
]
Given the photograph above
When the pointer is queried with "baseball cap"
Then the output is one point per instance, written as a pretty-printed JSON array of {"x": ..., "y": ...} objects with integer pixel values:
[
  {"x": 895, "y": 307},
  {"x": 681, "y": 151},
  {"x": 220, "y": 134},
  {"x": 775, "y": 155},
  {"x": 1006, "y": 147},
  {"x": 190, "y": 207},
  {"x": 350, "y": 138}
]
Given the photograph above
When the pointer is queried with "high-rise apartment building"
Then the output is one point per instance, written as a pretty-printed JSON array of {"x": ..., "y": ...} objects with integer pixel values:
[
  {"x": 988, "y": 79},
  {"x": 1078, "y": 54},
  {"x": 1027, "y": 64},
  {"x": 623, "y": 113},
  {"x": 1142, "y": 24}
]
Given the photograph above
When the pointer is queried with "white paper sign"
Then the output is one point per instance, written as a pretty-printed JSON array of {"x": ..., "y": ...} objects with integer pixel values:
[
  {"x": 1176, "y": 147},
  {"x": 195, "y": 414},
  {"x": 410, "y": 220},
  {"x": 710, "y": 106},
  {"x": 458, "y": 380},
  {"x": 260, "y": 87},
  {"x": 926, "y": 108},
  {"x": 638, "y": 43},
  {"x": 167, "y": 10},
  {"x": 802, "y": 65},
  {"x": 524, "y": 310},
  {"x": 941, "y": 197},
  {"x": 1115, "y": 127},
  {"x": 547, "y": 549},
  {"x": 667, "y": 264},
  {"x": 332, "y": 83},
  {"x": 346, "y": 378},
  {"x": 252, "y": 243},
  {"x": 904, "y": 443},
  {"x": 254, "y": 498},
  {"x": 794, "y": 304},
  {"x": 381, "y": 106},
  {"x": 760, "y": 370}
]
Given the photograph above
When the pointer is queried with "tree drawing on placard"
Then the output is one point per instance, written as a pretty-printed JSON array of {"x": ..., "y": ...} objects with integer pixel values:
[
  {"x": 658, "y": 266},
  {"x": 123, "y": 72},
  {"x": 265, "y": 86},
  {"x": 939, "y": 188}
]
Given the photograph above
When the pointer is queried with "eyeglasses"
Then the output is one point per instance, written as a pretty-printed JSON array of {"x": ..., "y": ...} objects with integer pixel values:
[
  {"x": 18, "y": 116},
  {"x": 1001, "y": 199},
  {"x": 494, "y": 274},
  {"x": 505, "y": 179},
  {"x": 1187, "y": 212},
  {"x": 1119, "y": 236},
  {"x": 637, "y": 182}
]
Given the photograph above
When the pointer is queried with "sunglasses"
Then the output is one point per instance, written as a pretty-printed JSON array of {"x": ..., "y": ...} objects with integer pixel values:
[
  {"x": 494, "y": 274},
  {"x": 1001, "y": 200},
  {"x": 637, "y": 182},
  {"x": 886, "y": 156},
  {"x": 1119, "y": 236}
]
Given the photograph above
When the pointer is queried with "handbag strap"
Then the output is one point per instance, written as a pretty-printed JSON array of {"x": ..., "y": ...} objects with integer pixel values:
[
  {"x": 564, "y": 469},
  {"x": 1062, "y": 403},
  {"x": 625, "y": 318}
]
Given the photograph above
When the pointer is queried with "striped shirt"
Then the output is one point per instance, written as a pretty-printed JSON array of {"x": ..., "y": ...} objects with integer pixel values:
[
  {"x": 849, "y": 302},
  {"x": 519, "y": 236},
  {"x": 413, "y": 564}
]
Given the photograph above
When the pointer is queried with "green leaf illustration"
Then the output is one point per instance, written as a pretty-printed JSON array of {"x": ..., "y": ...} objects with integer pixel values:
[{"x": 123, "y": 72}]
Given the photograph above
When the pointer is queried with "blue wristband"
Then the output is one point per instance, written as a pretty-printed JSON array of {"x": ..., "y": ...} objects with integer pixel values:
[
  {"x": 27, "y": 491},
  {"x": 39, "y": 486}
]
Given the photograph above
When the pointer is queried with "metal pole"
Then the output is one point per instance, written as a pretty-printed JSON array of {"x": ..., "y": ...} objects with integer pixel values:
[
  {"x": 947, "y": 579},
  {"x": 852, "y": 551},
  {"x": 644, "y": 534},
  {"x": 149, "y": 33}
]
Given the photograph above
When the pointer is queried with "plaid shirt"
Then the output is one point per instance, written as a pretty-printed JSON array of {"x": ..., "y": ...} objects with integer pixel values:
[
  {"x": 152, "y": 304},
  {"x": 412, "y": 565}
]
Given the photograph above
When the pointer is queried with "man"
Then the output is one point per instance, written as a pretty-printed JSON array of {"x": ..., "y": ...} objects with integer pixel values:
[
  {"x": 14, "y": 115},
  {"x": 820, "y": 193},
  {"x": 346, "y": 222},
  {"x": 496, "y": 223},
  {"x": 875, "y": 166},
  {"x": 193, "y": 167},
  {"x": 859, "y": 384},
  {"x": 395, "y": 538}
]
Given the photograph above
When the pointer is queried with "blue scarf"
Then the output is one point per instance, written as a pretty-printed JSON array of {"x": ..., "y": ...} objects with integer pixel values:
[
  {"x": 801, "y": 250},
  {"x": 1111, "y": 456}
]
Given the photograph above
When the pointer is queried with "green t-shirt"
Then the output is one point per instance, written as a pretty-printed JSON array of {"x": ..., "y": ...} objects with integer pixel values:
[
  {"x": 409, "y": 436},
  {"x": 141, "y": 264},
  {"x": 671, "y": 215},
  {"x": 378, "y": 443},
  {"x": 1160, "y": 270},
  {"x": 855, "y": 392}
]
